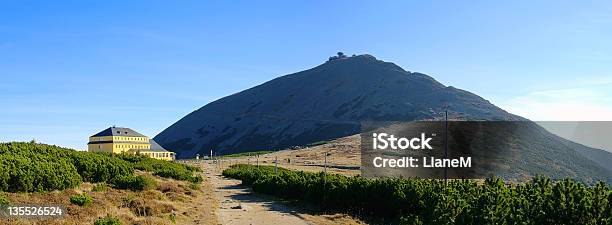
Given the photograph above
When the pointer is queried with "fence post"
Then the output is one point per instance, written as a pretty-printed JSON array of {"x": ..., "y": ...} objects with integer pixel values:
[
  {"x": 276, "y": 165},
  {"x": 325, "y": 164},
  {"x": 324, "y": 177}
]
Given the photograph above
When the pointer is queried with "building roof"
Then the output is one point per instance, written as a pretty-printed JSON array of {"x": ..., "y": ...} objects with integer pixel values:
[
  {"x": 156, "y": 147},
  {"x": 118, "y": 131}
]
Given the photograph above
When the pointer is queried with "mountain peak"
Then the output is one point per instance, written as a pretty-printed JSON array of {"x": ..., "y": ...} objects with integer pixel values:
[
  {"x": 340, "y": 56},
  {"x": 356, "y": 63},
  {"x": 322, "y": 103}
]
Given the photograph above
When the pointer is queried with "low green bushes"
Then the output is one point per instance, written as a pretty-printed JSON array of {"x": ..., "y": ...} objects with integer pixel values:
[
  {"x": 247, "y": 174},
  {"x": 100, "y": 167},
  {"x": 19, "y": 173},
  {"x": 422, "y": 201},
  {"x": 134, "y": 183},
  {"x": 108, "y": 220},
  {"x": 100, "y": 187},
  {"x": 164, "y": 168},
  {"x": 4, "y": 200},
  {"x": 30, "y": 167},
  {"x": 177, "y": 175},
  {"x": 81, "y": 200}
]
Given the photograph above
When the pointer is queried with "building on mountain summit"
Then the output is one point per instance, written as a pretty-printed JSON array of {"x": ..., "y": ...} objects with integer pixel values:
[{"x": 119, "y": 140}]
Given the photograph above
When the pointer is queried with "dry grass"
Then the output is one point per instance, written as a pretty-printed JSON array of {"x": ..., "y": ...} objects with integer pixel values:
[
  {"x": 343, "y": 157},
  {"x": 145, "y": 207}
]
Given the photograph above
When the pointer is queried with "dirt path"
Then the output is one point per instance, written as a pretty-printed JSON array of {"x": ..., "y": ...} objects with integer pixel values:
[{"x": 239, "y": 205}]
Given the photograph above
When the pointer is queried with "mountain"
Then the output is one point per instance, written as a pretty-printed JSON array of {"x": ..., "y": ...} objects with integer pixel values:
[
  {"x": 327, "y": 102},
  {"x": 321, "y": 103}
]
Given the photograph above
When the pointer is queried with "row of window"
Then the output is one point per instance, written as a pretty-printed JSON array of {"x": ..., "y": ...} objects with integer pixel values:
[
  {"x": 158, "y": 154},
  {"x": 133, "y": 146},
  {"x": 115, "y": 138},
  {"x": 119, "y": 138}
]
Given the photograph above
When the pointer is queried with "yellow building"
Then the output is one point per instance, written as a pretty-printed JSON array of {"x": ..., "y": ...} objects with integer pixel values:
[
  {"x": 119, "y": 140},
  {"x": 156, "y": 151}
]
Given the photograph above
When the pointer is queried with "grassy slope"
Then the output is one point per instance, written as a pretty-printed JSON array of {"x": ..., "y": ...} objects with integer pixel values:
[{"x": 182, "y": 191}]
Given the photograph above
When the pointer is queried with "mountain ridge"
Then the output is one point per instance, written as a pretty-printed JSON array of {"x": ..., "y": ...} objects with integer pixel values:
[
  {"x": 364, "y": 87},
  {"x": 332, "y": 100}
]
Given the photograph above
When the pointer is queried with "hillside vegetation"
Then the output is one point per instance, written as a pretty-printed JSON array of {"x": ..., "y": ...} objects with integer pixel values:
[
  {"x": 30, "y": 167},
  {"x": 422, "y": 201}
]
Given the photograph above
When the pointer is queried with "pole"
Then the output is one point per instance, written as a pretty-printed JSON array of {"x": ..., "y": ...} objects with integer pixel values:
[
  {"x": 445, "y": 143},
  {"x": 276, "y": 165},
  {"x": 325, "y": 164},
  {"x": 324, "y": 177}
]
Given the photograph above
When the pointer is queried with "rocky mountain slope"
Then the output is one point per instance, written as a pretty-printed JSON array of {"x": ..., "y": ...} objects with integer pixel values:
[{"x": 325, "y": 102}]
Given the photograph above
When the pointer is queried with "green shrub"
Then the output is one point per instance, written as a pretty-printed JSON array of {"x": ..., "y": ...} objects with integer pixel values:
[
  {"x": 100, "y": 187},
  {"x": 172, "y": 217},
  {"x": 100, "y": 167},
  {"x": 4, "y": 200},
  {"x": 22, "y": 173},
  {"x": 421, "y": 201},
  {"x": 108, "y": 220},
  {"x": 81, "y": 200},
  {"x": 163, "y": 168},
  {"x": 194, "y": 186},
  {"x": 31, "y": 167},
  {"x": 134, "y": 183}
]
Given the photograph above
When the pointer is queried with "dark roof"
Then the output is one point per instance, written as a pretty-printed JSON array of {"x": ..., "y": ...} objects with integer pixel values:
[
  {"x": 118, "y": 131},
  {"x": 156, "y": 147}
]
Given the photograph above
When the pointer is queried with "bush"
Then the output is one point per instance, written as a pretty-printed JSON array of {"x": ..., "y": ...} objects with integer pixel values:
[
  {"x": 194, "y": 186},
  {"x": 81, "y": 200},
  {"x": 421, "y": 201},
  {"x": 4, "y": 200},
  {"x": 108, "y": 220},
  {"x": 31, "y": 167},
  {"x": 21, "y": 173},
  {"x": 134, "y": 183},
  {"x": 100, "y": 167},
  {"x": 164, "y": 168},
  {"x": 100, "y": 187}
]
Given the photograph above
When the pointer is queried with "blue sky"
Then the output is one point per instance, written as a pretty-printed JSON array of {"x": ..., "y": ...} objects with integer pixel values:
[{"x": 71, "y": 68}]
